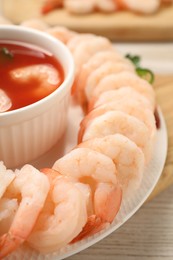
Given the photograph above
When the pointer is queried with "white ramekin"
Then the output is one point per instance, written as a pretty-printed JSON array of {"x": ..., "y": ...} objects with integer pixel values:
[{"x": 29, "y": 132}]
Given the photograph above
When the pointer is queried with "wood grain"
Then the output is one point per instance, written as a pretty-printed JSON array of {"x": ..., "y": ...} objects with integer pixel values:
[
  {"x": 164, "y": 94},
  {"x": 120, "y": 26}
]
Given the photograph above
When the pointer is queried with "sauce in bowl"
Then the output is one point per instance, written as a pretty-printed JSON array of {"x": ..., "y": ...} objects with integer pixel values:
[{"x": 27, "y": 74}]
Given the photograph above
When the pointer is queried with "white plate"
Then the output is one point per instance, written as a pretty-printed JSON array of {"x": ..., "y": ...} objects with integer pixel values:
[{"x": 128, "y": 207}]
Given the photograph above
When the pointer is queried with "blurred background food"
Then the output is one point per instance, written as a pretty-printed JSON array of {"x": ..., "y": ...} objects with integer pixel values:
[{"x": 155, "y": 24}]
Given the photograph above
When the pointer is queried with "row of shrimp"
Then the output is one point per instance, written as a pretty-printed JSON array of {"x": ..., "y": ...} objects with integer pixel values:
[
  {"x": 107, "y": 6},
  {"x": 82, "y": 193}
]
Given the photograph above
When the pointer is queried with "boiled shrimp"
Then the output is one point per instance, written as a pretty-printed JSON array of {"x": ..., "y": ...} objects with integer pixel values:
[
  {"x": 93, "y": 63},
  {"x": 99, "y": 172},
  {"x": 61, "y": 33},
  {"x": 63, "y": 217},
  {"x": 127, "y": 156},
  {"x": 124, "y": 93},
  {"x": 130, "y": 107},
  {"x": 105, "y": 5},
  {"x": 6, "y": 177},
  {"x": 8, "y": 209},
  {"x": 112, "y": 122},
  {"x": 85, "y": 49},
  {"x": 50, "y": 5},
  {"x": 25, "y": 189},
  {"x": 47, "y": 77},
  {"x": 5, "y": 101},
  {"x": 104, "y": 70},
  {"x": 124, "y": 79},
  {"x": 146, "y": 7},
  {"x": 79, "y": 7}
]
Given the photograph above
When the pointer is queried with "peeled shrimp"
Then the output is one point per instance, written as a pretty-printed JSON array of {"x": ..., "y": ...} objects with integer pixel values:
[
  {"x": 25, "y": 188},
  {"x": 36, "y": 23},
  {"x": 47, "y": 77},
  {"x": 93, "y": 63},
  {"x": 5, "y": 101},
  {"x": 8, "y": 209},
  {"x": 61, "y": 33},
  {"x": 147, "y": 6},
  {"x": 124, "y": 93},
  {"x": 63, "y": 217},
  {"x": 128, "y": 158},
  {"x": 79, "y": 7},
  {"x": 131, "y": 107},
  {"x": 50, "y": 5},
  {"x": 6, "y": 177},
  {"x": 113, "y": 122},
  {"x": 124, "y": 79},
  {"x": 99, "y": 172},
  {"x": 105, "y": 5},
  {"x": 85, "y": 49},
  {"x": 104, "y": 70}
]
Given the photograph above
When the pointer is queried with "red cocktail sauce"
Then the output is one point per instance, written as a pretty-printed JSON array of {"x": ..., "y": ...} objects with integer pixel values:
[{"x": 16, "y": 55}]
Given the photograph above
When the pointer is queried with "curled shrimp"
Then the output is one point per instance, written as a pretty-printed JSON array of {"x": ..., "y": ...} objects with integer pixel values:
[
  {"x": 47, "y": 77},
  {"x": 112, "y": 122},
  {"x": 63, "y": 216},
  {"x": 124, "y": 79},
  {"x": 146, "y": 7},
  {"x": 25, "y": 188},
  {"x": 108, "y": 68},
  {"x": 127, "y": 156},
  {"x": 79, "y": 7},
  {"x": 5, "y": 101},
  {"x": 131, "y": 107},
  {"x": 61, "y": 33},
  {"x": 99, "y": 172},
  {"x": 50, "y": 5},
  {"x": 119, "y": 94},
  {"x": 6, "y": 177},
  {"x": 8, "y": 209},
  {"x": 83, "y": 50},
  {"x": 93, "y": 63}
]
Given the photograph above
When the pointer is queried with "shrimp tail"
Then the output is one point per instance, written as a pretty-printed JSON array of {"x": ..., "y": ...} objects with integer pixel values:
[
  {"x": 94, "y": 225},
  {"x": 8, "y": 243},
  {"x": 107, "y": 201}
]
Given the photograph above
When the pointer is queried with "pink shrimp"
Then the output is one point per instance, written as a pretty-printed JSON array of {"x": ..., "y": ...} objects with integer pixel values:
[
  {"x": 5, "y": 101},
  {"x": 146, "y": 7},
  {"x": 108, "y": 68},
  {"x": 63, "y": 216},
  {"x": 124, "y": 93},
  {"x": 50, "y": 5},
  {"x": 61, "y": 33},
  {"x": 93, "y": 63},
  {"x": 85, "y": 49},
  {"x": 124, "y": 79},
  {"x": 112, "y": 122},
  {"x": 25, "y": 189},
  {"x": 131, "y": 107},
  {"x": 99, "y": 172},
  {"x": 128, "y": 158}
]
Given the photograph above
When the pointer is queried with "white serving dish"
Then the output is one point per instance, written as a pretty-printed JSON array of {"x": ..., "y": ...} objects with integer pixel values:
[{"x": 29, "y": 132}]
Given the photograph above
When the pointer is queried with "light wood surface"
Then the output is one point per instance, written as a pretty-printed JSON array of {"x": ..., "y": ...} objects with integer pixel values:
[
  {"x": 147, "y": 235},
  {"x": 120, "y": 26}
]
